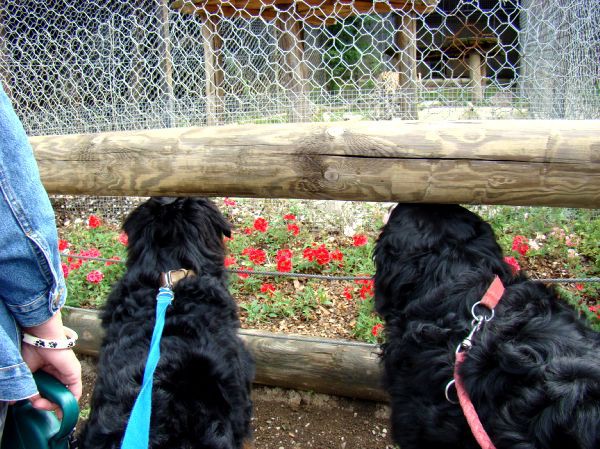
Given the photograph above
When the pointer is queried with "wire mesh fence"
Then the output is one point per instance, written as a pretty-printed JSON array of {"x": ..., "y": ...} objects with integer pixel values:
[
  {"x": 109, "y": 65},
  {"x": 103, "y": 65}
]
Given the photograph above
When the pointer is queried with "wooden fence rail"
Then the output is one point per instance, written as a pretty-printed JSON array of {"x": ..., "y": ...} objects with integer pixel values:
[
  {"x": 514, "y": 162},
  {"x": 303, "y": 363}
]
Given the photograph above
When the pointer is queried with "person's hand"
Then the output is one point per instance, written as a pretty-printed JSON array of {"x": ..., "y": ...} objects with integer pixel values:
[{"x": 60, "y": 363}]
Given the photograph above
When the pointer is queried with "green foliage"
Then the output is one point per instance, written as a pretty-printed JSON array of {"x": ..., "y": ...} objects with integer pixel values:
[
  {"x": 561, "y": 243},
  {"x": 587, "y": 226},
  {"x": 85, "y": 289},
  {"x": 369, "y": 327},
  {"x": 83, "y": 293},
  {"x": 351, "y": 53}
]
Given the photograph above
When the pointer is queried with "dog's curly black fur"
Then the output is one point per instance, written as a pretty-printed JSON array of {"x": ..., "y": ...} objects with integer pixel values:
[
  {"x": 533, "y": 373},
  {"x": 202, "y": 384}
]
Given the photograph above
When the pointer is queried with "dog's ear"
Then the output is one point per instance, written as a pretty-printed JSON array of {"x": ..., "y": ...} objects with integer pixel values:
[
  {"x": 218, "y": 221},
  {"x": 138, "y": 220},
  {"x": 396, "y": 275}
]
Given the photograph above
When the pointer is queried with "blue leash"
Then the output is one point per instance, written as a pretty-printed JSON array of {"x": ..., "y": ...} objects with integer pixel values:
[{"x": 138, "y": 428}]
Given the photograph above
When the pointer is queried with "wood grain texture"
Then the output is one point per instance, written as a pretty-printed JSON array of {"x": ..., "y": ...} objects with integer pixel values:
[
  {"x": 330, "y": 367},
  {"x": 213, "y": 68},
  {"x": 405, "y": 64},
  {"x": 514, "y": 162},
  {"x": 293, "y": 74},
  {"x": 324, "y": 366}
]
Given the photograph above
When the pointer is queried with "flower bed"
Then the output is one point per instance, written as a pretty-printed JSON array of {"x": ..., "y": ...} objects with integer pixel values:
[{"x": 333, "y": 239}]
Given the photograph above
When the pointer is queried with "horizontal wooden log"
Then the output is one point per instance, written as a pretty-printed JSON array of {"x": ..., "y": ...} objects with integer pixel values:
[
  {"x": 514, "y": 162},
  {"x": 337, "y": 367},
  {"x": 314, "y": 11}
]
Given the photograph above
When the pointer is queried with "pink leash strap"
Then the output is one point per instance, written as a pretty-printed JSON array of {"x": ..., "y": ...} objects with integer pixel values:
[
  {"x": 490, "y": 300},
  {"x": 468, "y": 409}
]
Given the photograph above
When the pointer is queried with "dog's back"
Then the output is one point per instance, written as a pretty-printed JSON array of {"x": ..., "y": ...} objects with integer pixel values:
[
  {"x": 533, "y": 372},
  {"x": 202, "y": 384}
]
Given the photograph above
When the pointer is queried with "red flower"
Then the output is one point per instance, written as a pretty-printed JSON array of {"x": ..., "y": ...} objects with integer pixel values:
[
  {"x": 367, "y": 289},
  {"x": 347, "y": 293},
  {"x": 261, "y": 225},
  {"x": 376, "y": 329},
  {"x": 513, "y": 263},
  {"x": 268, "y": 289},
  {"x": 337, "y": 255},
  {"x": 229, "y": 202},
  {"x": 95, "y": 277},
  {"x": 517, "y": 240},
  {"x": 245, "y": 275},
  {"x": 284, "y": 265},
  {"x": 93, "y": 221},
  {"x": 247, "y": 231},
  {"x": 289, "y": 217},
  {"x": 363, "y": 281},
  {"x": 62, "y": 245},
  {"x": 109, "y": 263},
  {"x": 74, "y": 263},
  {"x": 92, "y": 252},
  {"x": 65, "y": 269},
  {"x": 579, "y": 287},
  {"x": 256, "y": 256},
  {"x": 520, "y": 245},
  {"x": 309, "y": 254},
  {"x": 229, "y": 260},
  {"x": 123, "y": 239},
  {"x": 359, "y": 240},
  {"x": 284, "y": 260},
  {"x": 293, "y": 229},
  {"x": 322, "y": 255},
  {"x": 284, "y": 254}
]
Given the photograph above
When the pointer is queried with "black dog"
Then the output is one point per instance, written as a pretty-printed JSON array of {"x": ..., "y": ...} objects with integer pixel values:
[
  {"x": 202, "y": 384},
  {"x": 533, "y": 373}
]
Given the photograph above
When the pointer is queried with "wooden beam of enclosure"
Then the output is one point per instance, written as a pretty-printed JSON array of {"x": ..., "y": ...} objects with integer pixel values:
[
  {"x": 302, "y": 363},
  {"x": 514, "y": 162},
  {"x": 406, "y": 65}
]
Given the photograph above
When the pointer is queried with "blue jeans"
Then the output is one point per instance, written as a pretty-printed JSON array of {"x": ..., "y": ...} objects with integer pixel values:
[{"x": 32, "y": 286}]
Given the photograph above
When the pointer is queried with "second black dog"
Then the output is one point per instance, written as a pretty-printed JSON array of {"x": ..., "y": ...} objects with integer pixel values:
[
  {"x": 533, "y": 373},
  {"x": 202, "y": 384}
]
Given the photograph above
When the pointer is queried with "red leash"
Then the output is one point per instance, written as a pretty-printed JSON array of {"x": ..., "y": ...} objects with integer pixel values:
[{"x": 490, "y": 300}]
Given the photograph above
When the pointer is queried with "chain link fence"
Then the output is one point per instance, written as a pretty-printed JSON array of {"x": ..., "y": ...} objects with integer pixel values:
[{"x": 109, "y": 65}]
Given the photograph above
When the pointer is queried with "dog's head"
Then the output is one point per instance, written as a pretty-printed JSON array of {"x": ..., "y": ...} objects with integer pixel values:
[
  {"x": 424, "y": 245},
  {"x": 170, "y": 233}
]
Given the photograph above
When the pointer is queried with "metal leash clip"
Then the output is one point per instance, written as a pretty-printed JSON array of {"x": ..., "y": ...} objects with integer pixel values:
[{"x": 467, "y": 343}]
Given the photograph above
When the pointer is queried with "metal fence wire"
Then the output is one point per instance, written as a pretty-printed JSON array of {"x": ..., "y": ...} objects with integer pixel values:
[{"x": 105, "y": 65}]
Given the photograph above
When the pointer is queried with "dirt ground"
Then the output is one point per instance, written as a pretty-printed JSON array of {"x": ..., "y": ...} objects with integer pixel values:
[{"x": 291, "y": 419}]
